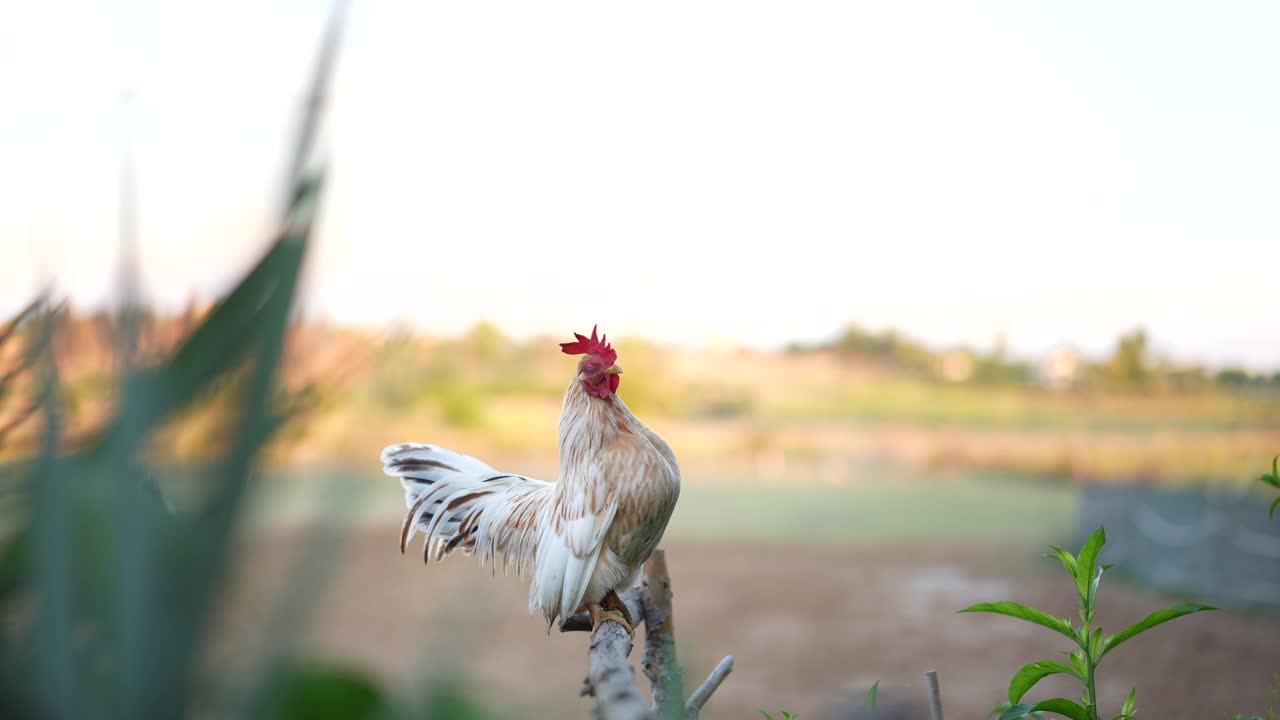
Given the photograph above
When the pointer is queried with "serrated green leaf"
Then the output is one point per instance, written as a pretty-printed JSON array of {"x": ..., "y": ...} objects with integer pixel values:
[
  {"x": 869, "y": 702},
  {"x": 1087, "y": 560},
  {"x": 1023, "y": 612},
  {"x": 1067, "y": 559},
  {"x": 1150, "y": 621},
  {"x": 1032, "y": 673}
]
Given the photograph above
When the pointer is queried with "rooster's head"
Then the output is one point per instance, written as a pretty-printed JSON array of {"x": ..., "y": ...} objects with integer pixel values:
[{"x": 597, "y": 370}]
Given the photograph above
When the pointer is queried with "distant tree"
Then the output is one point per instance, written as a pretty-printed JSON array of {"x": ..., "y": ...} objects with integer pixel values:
[
  {"x": 486, "y": 341},
  {"x": 1233, "y": 377},
  {"x": 1128, "y": 366}
]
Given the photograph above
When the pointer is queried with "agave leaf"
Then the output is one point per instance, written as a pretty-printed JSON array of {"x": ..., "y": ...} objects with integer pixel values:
[
  {"x": 1086, "y": 562},
  {"x": 1150, "y": 621},
  {"x": 1023, "y": 612},
  {"x": 1032, "y": 673}
]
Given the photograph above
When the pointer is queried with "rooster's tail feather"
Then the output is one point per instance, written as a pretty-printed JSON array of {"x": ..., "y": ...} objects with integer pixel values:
[{"x": 459, "y": 502}]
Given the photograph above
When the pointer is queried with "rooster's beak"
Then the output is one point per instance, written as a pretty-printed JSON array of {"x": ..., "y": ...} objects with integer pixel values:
[{"x": 615, "y": 370}]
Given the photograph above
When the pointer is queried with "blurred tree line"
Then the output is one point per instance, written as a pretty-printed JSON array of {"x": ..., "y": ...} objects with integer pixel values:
[{"x": 1131, "y": 366}]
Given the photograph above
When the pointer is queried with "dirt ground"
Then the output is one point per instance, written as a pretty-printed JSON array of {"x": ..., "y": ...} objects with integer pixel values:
[{"x": 811, "y": 629}]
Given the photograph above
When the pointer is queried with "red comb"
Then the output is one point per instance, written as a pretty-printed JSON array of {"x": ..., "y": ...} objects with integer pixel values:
[{"x": 590, "y": 346}]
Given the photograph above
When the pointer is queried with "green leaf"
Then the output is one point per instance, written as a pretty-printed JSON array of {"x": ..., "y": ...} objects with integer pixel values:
[
  {"x": 1077, "y": 664},
  {"x": 869, "y": 702},
  {"x": 1023, "y": 612},
  {"x": 1032, "y": 673},
  {"x": 1097, "y": 578},
  {"x": 1085, "y": 564},
  {"x": 1127, "y": 708},
  {"x": 1015, "y": 711},
  {"x": 1271, "y": 480},
  {"x": 1271, "y": 510},
  {"x": 1062, "y": 706},
  {"x": 1151, "y": 621},
  {"x": 766, "y": 715},
  {"x": 1067, "y": 559},
  {"x": 1095, "y": 645},
  {"x": 321, "y": 693}
]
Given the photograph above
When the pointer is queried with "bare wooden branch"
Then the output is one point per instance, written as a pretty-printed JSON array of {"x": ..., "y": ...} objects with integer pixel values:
[
  {"x": 708, "y": 686},
  {"x": 659, "y": 659},
  {"x": 935, "y": 695},
  {"x": 611, "y": 677}
]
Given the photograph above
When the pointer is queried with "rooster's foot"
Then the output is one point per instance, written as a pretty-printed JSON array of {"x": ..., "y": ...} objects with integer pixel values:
[
  {"x": 611, "y": 601},
  {"x": 600, "y": 615}
]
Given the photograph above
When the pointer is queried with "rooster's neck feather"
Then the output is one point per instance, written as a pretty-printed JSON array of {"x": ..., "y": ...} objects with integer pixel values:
[{"x": 589, "y": 424}]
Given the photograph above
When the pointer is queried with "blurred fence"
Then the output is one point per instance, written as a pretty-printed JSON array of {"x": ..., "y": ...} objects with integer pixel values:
[{"x": 1215, "y": 545}]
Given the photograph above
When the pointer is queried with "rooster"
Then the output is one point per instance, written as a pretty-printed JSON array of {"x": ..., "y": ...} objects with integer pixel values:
[{"x": 581, "y": 539}]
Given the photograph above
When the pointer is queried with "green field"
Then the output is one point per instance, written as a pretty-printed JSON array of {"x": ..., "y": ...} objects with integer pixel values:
[{"x": 900, "y": 507}]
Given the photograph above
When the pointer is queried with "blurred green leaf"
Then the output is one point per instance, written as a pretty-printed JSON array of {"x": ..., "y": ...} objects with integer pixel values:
[
  {"x": 319, "y": 692},
  {"x": 869, "y": 702}
]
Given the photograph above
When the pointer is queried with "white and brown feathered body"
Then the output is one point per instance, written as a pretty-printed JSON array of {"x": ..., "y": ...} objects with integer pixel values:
[{"x": 578, "y": 538}]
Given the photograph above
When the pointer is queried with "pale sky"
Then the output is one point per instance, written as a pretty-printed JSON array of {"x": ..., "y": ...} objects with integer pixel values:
[{"x": 687, "y": 171}]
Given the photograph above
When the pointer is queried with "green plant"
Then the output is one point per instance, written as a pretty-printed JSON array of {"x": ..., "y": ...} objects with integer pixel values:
[
  {"x": 869, "y": 702},
  {"x": 785, "y": 715},
  {"x": 1272, "y": 479},
  {"x": 1001, "y": 708},
  {"x": 1091, "y": 645},
  {"x": 1272, "y": 712}
]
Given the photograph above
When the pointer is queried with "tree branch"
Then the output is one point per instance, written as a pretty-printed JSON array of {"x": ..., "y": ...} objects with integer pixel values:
[
  {"x": 703, "y": 693},
  {"x": 935, "y": 695},
  {"x": 659, "y": 659},
  {"x": 611, "y": 677}
]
